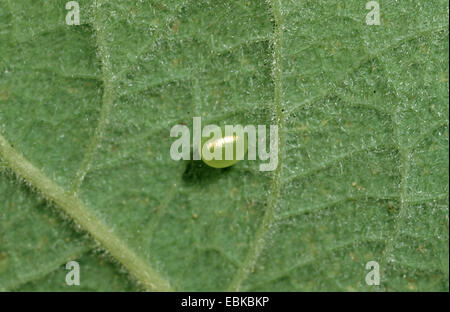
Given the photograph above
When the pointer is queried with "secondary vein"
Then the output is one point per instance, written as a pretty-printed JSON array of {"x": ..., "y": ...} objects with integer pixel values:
[
  {"x": 107, "y": 100},
  {"x": 260, "y": 236}
]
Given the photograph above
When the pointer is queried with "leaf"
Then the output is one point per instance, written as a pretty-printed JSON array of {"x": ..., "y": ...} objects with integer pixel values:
[{"x": 85, "y": 116}]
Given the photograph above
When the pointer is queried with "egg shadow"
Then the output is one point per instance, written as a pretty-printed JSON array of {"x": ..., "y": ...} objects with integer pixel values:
[{"x": 197, "y": 172}]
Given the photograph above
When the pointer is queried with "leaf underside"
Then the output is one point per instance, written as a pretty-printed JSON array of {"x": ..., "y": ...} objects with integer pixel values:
[{"x": 86, "y": 174}]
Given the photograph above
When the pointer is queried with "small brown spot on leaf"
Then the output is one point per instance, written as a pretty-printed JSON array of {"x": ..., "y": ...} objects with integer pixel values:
[
  {"x": 5, "y": 95},
  {"x": 175, "y": 26}
]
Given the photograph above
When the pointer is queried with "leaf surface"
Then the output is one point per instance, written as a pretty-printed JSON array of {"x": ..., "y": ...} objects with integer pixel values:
[{"x": 85, "y": 118}]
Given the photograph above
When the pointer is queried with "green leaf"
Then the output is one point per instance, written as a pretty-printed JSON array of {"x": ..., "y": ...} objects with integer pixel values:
[{"x": 86, "y": 174}]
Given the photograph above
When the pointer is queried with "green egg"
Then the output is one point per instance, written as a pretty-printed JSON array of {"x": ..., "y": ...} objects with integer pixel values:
[{"x": 222, "y": 143}]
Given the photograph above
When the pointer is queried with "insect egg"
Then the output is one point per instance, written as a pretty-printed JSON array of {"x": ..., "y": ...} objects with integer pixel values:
[{"x": 220, "y": 145}]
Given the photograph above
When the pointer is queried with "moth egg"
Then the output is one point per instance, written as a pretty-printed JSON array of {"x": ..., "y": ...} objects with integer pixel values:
[{"x": 223, "y": 143}]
